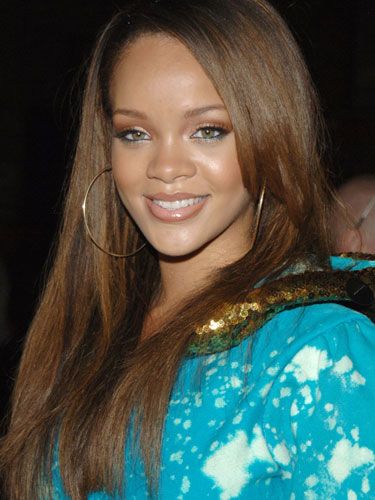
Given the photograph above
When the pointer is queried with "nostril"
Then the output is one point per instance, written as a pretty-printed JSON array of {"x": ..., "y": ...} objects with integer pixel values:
[{"x": 169, "y": 170}]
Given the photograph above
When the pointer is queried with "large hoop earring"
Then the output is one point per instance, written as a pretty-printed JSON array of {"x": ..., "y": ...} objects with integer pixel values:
[
  {"x": 112, "y": 254},
  {"x": 258, "y": 214}
]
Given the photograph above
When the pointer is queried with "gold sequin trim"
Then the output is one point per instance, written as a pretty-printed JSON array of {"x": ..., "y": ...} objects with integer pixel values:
[{"x": 234, "y": 322}]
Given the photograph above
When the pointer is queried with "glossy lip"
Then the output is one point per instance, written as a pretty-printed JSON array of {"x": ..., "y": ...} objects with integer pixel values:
[
  {"x": 173, "y": 197},
  {"x": 178, "y": 215}
]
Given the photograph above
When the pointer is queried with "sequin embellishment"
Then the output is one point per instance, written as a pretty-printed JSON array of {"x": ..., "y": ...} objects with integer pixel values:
[{"x": 234, "y": 322}]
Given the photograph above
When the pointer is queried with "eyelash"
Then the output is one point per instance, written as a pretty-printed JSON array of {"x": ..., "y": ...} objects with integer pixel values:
[{"x": 223, "y": 131}]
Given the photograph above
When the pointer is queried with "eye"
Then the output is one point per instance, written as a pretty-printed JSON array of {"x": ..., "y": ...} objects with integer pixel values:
[
  {"x": 132, "y": 135},
  {"x": 210, "y": 132}
]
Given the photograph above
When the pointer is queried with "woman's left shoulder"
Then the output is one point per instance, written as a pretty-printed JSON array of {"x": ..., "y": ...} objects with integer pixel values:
[
  {"x": 312, "y": 333},
  {"x": 304, "y": 301},
  {"x": 334, "y": 304},
  {"x": 322, "y": 319},
  {"x": 318, "y": 406}
]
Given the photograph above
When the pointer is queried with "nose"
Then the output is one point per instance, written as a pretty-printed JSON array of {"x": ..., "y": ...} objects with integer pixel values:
[{"x": 170, "y": 162}]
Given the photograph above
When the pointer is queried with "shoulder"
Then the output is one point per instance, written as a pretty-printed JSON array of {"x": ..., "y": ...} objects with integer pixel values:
[
  {"x": 318, "y": 305},
  {"x": 310, "y": 332},
  {"x": 319, "y": 399},
  {"x": 304, "y": 299},
  {"x": 303, "y": 324}
]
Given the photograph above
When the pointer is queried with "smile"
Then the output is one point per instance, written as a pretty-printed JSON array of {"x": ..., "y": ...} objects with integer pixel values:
[
  {"x": 175, "y": 210},
  {"x": 175, "y": 205}
]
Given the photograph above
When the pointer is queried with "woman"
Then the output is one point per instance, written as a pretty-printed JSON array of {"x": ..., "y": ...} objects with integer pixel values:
[{"x": 196, "y": 349}]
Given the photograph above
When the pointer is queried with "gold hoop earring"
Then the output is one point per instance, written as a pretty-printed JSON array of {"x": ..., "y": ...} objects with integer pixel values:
[
  {"x": 112, "y": 254},
  {"x": 258, "y": 214}
]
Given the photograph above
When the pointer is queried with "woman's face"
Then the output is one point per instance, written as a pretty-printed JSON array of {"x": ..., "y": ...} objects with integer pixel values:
[{"x": 174, "y": 155}]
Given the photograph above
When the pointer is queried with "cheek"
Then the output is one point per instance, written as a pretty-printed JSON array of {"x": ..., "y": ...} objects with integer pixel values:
[
  {"x": 226, "y": 177},
  {"x": 116, "y": 153},
  {"x": 124, "y": 171},
  {"x": 225, "y": 171}
]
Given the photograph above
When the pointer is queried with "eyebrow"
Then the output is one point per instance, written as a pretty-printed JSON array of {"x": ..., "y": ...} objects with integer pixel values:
[
  {"x": 203, "y": 109},
  {"x": 188, "y": 114}
]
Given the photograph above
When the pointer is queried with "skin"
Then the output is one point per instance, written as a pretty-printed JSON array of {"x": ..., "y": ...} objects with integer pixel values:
[
  {"x": 159, "y": 77},
  {"x": 356, "y": 195}
]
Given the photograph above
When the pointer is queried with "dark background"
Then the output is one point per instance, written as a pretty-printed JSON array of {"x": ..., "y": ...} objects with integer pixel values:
[{"x": 44, "y": 48}]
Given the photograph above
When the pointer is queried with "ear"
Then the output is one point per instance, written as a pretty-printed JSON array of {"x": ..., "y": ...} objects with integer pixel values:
[{"x": 350, "y": 241}]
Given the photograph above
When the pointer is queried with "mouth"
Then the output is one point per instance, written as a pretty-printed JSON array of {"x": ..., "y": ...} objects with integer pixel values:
[
  {"x": 175, "y": 208},
  {"x": 175, "y": 205}
]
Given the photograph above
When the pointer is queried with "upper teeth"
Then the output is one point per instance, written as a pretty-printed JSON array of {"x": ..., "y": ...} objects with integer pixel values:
[{"x": 174, "y": 205}]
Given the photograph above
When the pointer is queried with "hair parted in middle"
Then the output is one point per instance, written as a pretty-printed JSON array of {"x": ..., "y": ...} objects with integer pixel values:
[{"x": 82, "y": 374}]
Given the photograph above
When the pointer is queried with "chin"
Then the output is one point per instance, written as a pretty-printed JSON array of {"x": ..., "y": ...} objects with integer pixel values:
[
  {"x": 177, "y": 249},
  {"x": 177, "y": 252}
]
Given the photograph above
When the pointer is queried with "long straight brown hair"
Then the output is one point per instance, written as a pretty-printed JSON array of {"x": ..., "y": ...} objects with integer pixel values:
[{"x": 83, "y": 375}]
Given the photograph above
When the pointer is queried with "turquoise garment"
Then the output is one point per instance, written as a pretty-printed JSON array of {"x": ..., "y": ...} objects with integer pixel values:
[{"x": 287, "y": 414}]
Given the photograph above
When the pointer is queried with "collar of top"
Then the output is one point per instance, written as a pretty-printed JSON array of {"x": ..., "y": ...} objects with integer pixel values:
[{"x": 350, "y": 280}]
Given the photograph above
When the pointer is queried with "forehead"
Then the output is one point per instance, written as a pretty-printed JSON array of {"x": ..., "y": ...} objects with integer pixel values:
[{"x": 160, "y": 65}]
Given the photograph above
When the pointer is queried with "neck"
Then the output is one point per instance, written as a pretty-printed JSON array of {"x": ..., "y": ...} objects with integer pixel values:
[
  {"x": 181, "y": 277},
  {"x": 184, "y": 276}
]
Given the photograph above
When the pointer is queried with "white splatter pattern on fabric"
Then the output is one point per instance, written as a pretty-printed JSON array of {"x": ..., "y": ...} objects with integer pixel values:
[{"x": 294, "y": 421}]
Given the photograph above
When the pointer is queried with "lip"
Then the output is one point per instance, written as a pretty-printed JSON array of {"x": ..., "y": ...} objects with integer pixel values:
[
  {"x": 178, "y": 215},
  {"x": 173, "y": 197}
]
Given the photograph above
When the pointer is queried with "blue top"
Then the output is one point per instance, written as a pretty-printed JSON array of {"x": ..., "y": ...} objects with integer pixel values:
[{"x": 287, "y": 414}]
